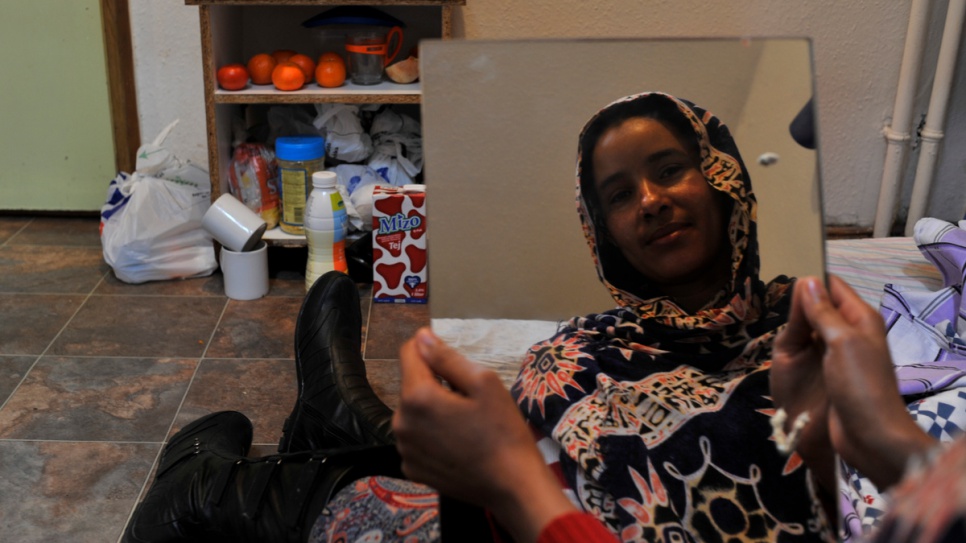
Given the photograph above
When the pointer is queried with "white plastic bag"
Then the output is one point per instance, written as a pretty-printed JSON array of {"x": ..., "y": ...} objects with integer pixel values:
[
  {"x": 356, "y": 183},
  {"x": 398, "y": 147},
  {"x": 345, "y": 139},
  {"x": 151, "y": 222}
]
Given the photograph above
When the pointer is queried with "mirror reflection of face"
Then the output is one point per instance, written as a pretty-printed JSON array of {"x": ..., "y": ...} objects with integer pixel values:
[{"x": 659, "y": 209}]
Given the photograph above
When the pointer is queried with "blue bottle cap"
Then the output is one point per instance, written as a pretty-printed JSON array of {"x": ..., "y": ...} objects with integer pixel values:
[{"x": 297, "y": 148}]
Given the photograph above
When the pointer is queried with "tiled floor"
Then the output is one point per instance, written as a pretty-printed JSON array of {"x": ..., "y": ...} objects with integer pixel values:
[{"x": 95, "y": 374}]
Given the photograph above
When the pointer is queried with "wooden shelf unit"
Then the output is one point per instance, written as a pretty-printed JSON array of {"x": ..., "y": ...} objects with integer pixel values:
[{"x": 234, "y": 30}]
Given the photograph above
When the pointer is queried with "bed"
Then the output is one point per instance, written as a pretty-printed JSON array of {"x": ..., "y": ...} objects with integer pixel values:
[{"x": 866, "y": 264}]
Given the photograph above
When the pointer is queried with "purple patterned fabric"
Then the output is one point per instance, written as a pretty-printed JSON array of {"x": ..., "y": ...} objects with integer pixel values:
[
  {"x": 926, "y": 329},
  {"x": 925, "y": 332}
]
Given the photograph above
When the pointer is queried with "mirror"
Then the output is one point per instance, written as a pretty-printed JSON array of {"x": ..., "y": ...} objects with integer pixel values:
[
  {"x": 500, "y": 125},
  {"x": 507, "y": 257}
]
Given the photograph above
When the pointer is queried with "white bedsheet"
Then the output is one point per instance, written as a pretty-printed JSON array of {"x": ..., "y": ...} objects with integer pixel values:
[
  {"x": 869, "y": 264},
  {"x": 499, "y": 344},
  {"x": 866, "y": 264}
]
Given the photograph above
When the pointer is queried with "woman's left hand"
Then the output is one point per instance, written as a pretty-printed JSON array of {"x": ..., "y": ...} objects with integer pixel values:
[
  {"x": 798, "y": 386},
  {"x": 847, "y": 382},
  {"x": 471, "y": 441}
]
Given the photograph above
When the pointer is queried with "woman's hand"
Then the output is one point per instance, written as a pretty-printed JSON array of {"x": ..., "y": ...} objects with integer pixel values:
[
  {"x": 866, "y": 418},
  {"x": 471, "y": 441},
  {"x": 798, "y": 386}
]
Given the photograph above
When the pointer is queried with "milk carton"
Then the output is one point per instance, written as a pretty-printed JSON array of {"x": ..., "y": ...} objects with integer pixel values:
[{"x": 399, "y": 244}]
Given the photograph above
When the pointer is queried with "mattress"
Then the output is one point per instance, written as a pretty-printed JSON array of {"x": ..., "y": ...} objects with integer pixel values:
[
  {"x": 869, "y": 264},
  {"x": 865, "y": 264}
]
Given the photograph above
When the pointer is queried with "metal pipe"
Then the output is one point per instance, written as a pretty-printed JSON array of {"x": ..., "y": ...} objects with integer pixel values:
[
  {"x": 932, "y": 132},
  {"x": 897, "y": 134}
]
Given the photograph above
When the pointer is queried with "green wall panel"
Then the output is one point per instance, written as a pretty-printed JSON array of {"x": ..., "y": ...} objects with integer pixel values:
[{"x": 56, "y": 151}]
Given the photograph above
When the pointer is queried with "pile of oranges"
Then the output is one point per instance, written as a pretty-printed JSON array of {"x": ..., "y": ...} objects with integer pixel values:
[{"x": 287, "y": 70}]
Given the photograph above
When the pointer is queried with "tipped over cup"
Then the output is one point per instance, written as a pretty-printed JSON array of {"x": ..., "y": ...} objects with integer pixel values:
[{"x": 233, "y": 224}]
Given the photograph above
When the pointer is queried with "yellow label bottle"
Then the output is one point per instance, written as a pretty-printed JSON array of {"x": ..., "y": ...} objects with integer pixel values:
[{"x": 298, "y": 157}]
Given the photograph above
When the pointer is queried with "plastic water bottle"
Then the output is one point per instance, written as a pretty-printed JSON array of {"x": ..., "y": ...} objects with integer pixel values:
[{"x": 325, "y": 228}]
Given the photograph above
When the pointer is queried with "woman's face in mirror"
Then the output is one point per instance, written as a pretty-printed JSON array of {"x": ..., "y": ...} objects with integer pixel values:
[{"x": 662, "y": 214}]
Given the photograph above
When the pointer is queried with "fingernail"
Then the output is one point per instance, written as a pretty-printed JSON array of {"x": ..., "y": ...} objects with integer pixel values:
[
  {"x": 815, "y": 290},
  {"x": 425, "y": 342}
]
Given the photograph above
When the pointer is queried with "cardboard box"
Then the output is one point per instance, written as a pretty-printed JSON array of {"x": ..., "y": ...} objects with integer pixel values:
[{"x": 399, "y": 245}]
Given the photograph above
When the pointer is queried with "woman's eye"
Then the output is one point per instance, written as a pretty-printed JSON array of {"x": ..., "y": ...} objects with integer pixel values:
[
  {"x": 671, "y": 171},
  {"x": 619, "y": 196}
]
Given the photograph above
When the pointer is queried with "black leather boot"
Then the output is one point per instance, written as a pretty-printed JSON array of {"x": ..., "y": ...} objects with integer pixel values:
[
  {"x": 206, "y": 491},
  {"x": 336, "y": 406}
]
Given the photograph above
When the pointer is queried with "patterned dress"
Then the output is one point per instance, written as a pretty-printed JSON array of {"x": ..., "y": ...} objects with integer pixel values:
[{"x": 658, "y": 419}]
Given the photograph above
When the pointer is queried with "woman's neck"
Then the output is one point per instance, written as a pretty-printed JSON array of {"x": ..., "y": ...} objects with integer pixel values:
[{"x": 694, "y": 295}]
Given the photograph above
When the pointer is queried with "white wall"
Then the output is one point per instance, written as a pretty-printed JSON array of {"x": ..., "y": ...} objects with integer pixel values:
[
  {"x": 858, "y": 49},
  {"x": 167, "y": 70}
]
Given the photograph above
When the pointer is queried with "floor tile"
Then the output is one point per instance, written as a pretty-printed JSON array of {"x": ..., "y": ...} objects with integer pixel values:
[
  {"x": 141, "y": 326},
  {"x": 263, "y": 328},
  {"x": 263, "y": 390},
  {"x": 71, "y": 231},
  {"x": 97, "y": 399},
  {"x": 390, "y": 325},
  {"x": 286, "y": 270},
  {"x": 12, "y": 371},
  {"x": 211, "y": 285},
  {"x": 384, "y": 378},
  {"x": 29, "y": 322},
  {"x": 35, "y": 268},
  {"x": 9, "y": 226},
  {"x": 78, "y": 492},
  {"x": 287, "y": 284}
]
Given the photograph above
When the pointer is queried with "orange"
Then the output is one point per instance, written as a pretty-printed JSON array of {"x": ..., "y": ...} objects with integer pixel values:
[
  {"x": 232, "y": 77},
  {"x": 260, "y": 68},
  {"x": 306, "y": 64},
  {"x": 330, "y": 72},
  {"x": 287, "y": 76},
  {"x": 281, "y": 55}
]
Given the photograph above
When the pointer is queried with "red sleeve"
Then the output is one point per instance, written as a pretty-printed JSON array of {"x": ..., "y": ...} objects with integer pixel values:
[{"x": 575, "y": 527}]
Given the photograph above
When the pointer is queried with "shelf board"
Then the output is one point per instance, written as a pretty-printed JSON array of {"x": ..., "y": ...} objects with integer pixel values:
[
  {"x": 383, "y": 93},
  {"x": 326, "y": 2},
  {"x": 278, "y": 238}
]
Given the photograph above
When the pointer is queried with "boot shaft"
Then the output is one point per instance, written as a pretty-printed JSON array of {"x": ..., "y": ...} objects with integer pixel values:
[{"x": 213, "y": 496}]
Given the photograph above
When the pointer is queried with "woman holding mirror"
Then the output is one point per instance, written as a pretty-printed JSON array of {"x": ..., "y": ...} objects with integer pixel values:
[
  {"x": 655, "y": 415},
  {"x": 647, "y": 412}
]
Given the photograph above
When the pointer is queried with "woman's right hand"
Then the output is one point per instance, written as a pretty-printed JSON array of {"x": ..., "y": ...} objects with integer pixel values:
[
  {"x": 471, "y": 441},
  {"x": 867, "y": 419}
]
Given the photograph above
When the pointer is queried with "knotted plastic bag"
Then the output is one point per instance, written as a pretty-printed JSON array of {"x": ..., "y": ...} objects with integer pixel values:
[
  {"x": 151, "y": 221},
  {"x": 357, "y": 183},
  {"x": 398, "y": 147},
  {"x": 345, "y": 139}
]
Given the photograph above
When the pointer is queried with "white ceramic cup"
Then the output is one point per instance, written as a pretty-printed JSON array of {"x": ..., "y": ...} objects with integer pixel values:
[
  {"x": 232, "y": 224},
  {"x": 245, "y": 273}
]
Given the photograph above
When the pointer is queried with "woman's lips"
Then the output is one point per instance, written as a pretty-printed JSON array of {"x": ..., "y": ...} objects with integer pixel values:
[{"x": 665, "y": 234}]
